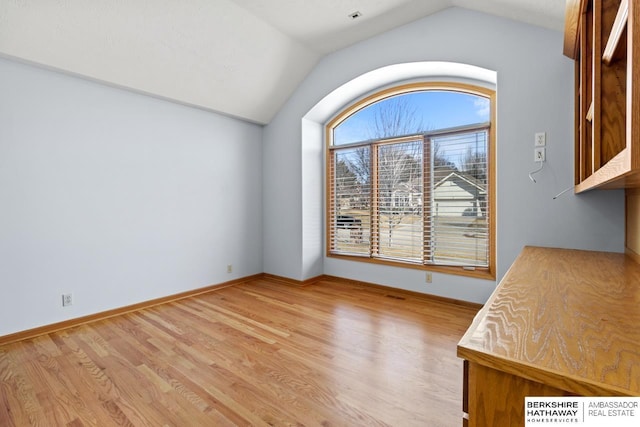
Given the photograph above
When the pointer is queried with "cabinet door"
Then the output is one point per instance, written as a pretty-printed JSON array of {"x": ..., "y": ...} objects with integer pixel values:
[{"x": 606, "y": 122}]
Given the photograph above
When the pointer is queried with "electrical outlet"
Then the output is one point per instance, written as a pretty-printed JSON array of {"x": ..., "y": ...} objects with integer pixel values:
[
  {"x": 540, "y": 139},
  {"x": 229, "y": 268},
  {"x": 539, "y": 154},
  {"x": 429, "y": 278},
  {"x": 67, "y": 300}
]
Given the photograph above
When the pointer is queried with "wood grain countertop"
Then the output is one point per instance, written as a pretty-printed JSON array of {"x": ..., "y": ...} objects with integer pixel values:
[{"x": 566, "y": 318}]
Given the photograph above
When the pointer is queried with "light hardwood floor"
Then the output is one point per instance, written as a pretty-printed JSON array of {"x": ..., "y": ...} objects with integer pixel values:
[{"x": 260, "y": 353}]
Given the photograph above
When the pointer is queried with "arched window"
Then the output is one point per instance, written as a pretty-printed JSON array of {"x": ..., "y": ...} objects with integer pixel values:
[{"x": 410, "y": 177}]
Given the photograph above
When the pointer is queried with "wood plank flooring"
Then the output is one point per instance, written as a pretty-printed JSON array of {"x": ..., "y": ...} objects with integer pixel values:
[{"x": 260, "y": 353}]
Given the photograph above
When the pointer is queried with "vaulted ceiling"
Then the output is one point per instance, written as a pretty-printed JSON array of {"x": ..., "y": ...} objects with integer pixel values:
[{"x": 242, "y": 58}]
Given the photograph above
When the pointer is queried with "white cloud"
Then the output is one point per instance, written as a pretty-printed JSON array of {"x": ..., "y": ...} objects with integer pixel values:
[{"x": 482, "y": 107}]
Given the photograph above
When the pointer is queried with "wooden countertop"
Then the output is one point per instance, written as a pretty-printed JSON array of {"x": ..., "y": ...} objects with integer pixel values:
[{"x": 566, "y": 318}]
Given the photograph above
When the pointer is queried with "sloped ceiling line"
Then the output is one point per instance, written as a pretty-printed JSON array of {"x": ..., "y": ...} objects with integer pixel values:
[{"x": 242, "y": 58}]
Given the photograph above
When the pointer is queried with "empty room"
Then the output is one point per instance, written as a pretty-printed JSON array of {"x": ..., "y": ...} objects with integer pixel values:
[{"x": 319, "y": 213}]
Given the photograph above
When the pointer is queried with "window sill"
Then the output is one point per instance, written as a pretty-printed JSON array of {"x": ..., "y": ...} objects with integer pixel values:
[{"x": 485, "y": 273}]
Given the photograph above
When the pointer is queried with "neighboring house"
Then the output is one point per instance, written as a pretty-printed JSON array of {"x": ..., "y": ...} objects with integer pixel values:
[
  {"x": 408, "y": 195},
  {"x": 455, "y": 194},
  {"x": 459, "y": 194}
]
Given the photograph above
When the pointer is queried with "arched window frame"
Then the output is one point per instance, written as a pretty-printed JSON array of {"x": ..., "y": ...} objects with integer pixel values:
[{"x": 488, "y": 272}]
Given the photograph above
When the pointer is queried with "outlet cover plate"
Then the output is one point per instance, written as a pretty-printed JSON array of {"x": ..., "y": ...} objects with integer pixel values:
[{"x": 67, "y": 300}]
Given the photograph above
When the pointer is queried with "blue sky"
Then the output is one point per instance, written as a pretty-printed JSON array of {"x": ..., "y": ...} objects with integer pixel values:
[{"x": 437, "y": 110}]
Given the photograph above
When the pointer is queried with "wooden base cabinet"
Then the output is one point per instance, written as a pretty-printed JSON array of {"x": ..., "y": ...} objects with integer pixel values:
[
  {"x": 498, "y": 398},
  {"x": 560, "y": 323}
]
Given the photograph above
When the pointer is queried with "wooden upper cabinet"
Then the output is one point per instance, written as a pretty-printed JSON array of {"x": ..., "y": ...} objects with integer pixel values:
[{"x": 603, "y": 37}]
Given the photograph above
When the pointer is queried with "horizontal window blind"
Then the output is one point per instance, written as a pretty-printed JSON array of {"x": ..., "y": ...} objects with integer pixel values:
[
  {"x": 458, "y": 208},
  {"x": 420, "y": 199},
  {"x": 399, "y": 201},
  {"x": 350, "y": 199}
]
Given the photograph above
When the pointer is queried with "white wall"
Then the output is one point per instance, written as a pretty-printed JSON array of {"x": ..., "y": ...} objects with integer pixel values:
[
  {"x": 535, "y": 93},
  {"x": 120, "y": 198},
  {"x": 117, "y": 197}
]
